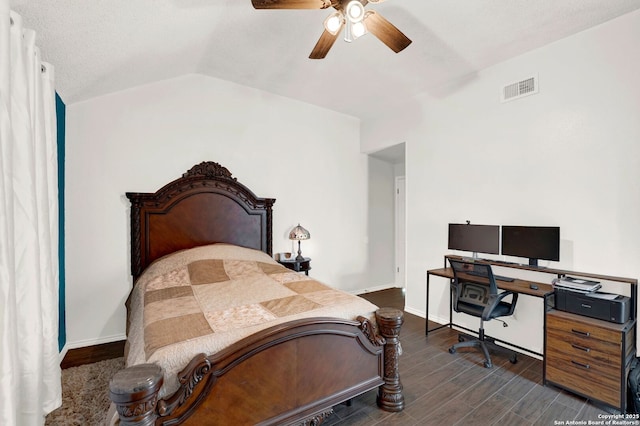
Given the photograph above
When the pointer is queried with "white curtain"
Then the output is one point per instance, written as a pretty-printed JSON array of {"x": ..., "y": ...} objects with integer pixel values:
[{"x": 29, "y": 362}]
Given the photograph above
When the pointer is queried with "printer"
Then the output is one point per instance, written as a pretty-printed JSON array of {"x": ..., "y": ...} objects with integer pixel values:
[{"x": 605, "y": 306}]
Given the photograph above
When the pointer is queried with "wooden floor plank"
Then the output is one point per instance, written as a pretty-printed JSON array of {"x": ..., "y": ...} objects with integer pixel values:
[
  {"x": 440, "y": 388},
  {"x": 455, "y": 389}
]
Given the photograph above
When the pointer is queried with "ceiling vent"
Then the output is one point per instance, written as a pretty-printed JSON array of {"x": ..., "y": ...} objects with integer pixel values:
[{"x": 520, "y": 89}]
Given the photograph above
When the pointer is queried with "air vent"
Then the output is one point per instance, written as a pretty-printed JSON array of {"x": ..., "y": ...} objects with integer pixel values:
[{"x": 520, "y": 89}]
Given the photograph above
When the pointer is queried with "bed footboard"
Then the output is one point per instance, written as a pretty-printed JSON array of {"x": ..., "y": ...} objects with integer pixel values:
[{"x": 289, "y": 374}]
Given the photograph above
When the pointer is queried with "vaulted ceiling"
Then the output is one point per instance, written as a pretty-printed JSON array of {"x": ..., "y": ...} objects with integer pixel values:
[{"x": 103, "y": 46}]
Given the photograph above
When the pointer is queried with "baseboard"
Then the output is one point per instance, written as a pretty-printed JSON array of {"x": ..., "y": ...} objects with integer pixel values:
[
  {"x": 423, "y": 314},
  {"x": 63, "y": 353},
  {"x": 89, "y": 351},
  {"x": 372, "y": 289},
  {"x": 415, "y": 312},
  {"x": 91, "y": 354}
]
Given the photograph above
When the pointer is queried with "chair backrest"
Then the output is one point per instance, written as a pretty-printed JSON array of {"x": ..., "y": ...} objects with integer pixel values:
[{"x": 474, "y": 282}]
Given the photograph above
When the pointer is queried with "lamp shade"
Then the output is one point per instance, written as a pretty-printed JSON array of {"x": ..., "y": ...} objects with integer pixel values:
[
  {"x": 299, "y": 233},
  {"x": 334, "y": 22}
]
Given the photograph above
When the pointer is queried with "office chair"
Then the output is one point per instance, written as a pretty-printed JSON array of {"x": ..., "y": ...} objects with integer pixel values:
[{"x": 474, "y": 291}]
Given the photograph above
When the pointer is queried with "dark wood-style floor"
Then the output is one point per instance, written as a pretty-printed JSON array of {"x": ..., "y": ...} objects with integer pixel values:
[
  {"x": 445, "y": 389},
  {"x": 441, "y": 388}
]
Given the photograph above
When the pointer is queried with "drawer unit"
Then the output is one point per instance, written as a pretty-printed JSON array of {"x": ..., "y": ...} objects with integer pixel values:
[{"x": 589, "y": 357}]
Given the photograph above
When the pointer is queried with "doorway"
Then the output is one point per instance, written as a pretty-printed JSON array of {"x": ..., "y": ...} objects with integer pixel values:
[
  {"x": 390, "y": 175},
  {"x": 400, "y": 231}
]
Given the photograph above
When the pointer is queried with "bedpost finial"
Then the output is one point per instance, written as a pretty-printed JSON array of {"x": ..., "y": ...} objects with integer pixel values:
[{"x": 209, "y": 169}]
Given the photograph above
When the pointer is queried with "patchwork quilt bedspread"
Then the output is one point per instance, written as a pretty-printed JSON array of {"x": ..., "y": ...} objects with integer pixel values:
[{"x": 207, "y": 298}]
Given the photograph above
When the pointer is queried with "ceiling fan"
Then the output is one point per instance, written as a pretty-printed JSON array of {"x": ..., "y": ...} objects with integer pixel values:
[{"x": 349, "y": 14}]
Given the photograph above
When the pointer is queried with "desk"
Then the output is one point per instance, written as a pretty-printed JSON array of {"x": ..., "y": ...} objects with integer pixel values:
[
  {"x": 574, "y": 345},
  {"x": 544, "y": 291}
]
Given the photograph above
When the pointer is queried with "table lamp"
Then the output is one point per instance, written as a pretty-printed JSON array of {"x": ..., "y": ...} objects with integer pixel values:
[{"x": 299, "y": 233}]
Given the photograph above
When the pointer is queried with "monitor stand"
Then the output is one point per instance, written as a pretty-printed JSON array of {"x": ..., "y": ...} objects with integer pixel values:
[{"x": 473, "y": 257}]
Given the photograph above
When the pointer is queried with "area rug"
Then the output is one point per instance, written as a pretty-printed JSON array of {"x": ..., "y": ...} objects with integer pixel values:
[{"x": 85, "y": 394}]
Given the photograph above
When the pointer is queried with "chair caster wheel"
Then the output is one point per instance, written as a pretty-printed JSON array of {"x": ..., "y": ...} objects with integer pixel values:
[
  {"x": 460, "y": 338},
  {"x": 452, "y": 350},
  {"x": 487, "y": 364},
  {"x": 513, "y": 359}
]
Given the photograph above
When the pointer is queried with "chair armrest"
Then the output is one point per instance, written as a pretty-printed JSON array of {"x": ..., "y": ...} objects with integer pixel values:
[{"x": 494, "y": 301}]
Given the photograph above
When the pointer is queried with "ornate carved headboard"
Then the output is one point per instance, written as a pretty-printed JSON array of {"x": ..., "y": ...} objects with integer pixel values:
[{"x": 206, "y": 205}]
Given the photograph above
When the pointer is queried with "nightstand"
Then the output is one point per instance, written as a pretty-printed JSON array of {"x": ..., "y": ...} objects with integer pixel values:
[{"x": 297, "y": 265}]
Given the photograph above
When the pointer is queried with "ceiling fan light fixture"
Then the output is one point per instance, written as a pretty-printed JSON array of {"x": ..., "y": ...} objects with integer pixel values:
[
  {"x": 358, "y": 29},
  {"x": 355, "y": 11},
  {"x": 353, "y": 30},
  {"x": 333, "y": 23}
]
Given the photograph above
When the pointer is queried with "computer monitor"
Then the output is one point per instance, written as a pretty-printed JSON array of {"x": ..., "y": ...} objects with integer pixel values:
[
  {"x": 474, "y": 238},
  {"x": 534, "y": 242}
]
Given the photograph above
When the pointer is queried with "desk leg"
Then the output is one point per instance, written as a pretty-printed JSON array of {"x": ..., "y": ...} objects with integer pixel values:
[
  {"x": 450, "y": 304},
  {"x": 426, "y": 321}
]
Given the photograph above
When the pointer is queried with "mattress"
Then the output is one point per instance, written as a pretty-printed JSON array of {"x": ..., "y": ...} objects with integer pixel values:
[{"x": 203, "y": 300}]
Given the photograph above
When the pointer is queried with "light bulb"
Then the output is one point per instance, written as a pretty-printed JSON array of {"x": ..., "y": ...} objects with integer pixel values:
[
  {"x": 358, "y": 29},
  {"x": 355, "y": 11},
  {"x": 333, "y": 23}
]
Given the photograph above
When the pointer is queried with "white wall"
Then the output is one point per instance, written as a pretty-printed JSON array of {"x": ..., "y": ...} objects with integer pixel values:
[
  {"x": 567, "y": 156},
  {"x": 306, "y": 157}
]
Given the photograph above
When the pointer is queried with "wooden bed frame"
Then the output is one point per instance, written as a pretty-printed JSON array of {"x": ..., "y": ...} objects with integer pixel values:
[{"x": 293, "y": 373}]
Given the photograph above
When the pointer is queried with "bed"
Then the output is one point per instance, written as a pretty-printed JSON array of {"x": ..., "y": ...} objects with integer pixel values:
[{"x": 282, "y": 356}]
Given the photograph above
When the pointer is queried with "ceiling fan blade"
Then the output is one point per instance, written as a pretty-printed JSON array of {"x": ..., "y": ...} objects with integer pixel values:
[
  {"x": 291, "y": 4},
  {"x": 386, "y": 31},
  {"x": 324, "y": 44}
]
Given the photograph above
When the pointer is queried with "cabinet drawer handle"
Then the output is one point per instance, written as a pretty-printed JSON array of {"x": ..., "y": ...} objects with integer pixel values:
[
  {"x": 582, "y": 333},
  {"x": 579, "y": 364},
  {"x": 581, "y": 348}
]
